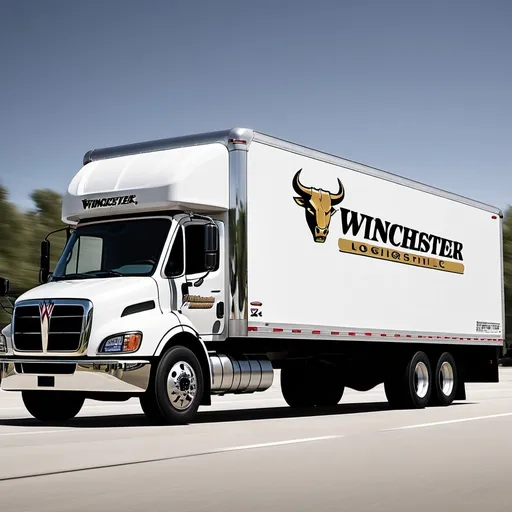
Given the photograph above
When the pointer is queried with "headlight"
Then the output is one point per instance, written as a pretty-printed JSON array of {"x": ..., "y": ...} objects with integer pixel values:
[
  {"x": 3, "y": 343},
  {"x": 127, "y": 342}
]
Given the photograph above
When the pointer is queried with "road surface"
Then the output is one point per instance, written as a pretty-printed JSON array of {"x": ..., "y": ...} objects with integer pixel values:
[{"x": 253, "y": 453}]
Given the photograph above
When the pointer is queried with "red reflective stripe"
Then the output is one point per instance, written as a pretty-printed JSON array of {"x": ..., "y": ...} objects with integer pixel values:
[{"x": 383, "y": 335}]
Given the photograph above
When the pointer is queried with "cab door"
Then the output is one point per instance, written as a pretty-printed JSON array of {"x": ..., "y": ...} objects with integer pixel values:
[{"x": 197, "y": 268}]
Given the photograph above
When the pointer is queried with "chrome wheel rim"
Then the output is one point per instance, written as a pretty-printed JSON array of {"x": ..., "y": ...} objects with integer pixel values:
[
  {"x": 446, "y": 379},
  {"x": 421, "y": 379},
  {"x": 181, "y": 385}
]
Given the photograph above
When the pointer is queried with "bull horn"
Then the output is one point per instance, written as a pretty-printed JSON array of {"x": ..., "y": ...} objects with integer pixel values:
[
  {"x": 298, "y": 187},
  {"x": 337, "y": 198}
]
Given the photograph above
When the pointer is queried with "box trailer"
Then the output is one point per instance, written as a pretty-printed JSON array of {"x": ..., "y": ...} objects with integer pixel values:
[{"x": 199, "y": 265}]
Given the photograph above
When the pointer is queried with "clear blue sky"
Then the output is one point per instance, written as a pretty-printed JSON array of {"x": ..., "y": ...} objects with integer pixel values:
[{"x": 422, "y": 89}]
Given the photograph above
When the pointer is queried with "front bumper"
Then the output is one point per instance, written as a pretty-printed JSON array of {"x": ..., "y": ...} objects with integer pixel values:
[{"x": 86, "y": 375}]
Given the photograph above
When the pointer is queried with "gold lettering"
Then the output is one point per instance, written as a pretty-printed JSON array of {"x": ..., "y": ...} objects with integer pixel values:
[{"x": 374, "y": 251}]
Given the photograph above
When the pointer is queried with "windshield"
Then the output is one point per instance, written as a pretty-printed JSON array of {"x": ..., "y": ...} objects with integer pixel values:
[{"x": 119, "y": 248}]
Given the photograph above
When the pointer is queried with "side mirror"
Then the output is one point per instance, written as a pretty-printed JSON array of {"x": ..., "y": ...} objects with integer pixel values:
[
  {"x": 4, "y": 287},
  {"x": 44, "y": 266},
  {"x": 211, "y": 247}
]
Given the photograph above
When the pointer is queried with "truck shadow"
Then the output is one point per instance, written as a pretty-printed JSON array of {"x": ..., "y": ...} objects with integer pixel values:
[{"x": 206, "y": 417}]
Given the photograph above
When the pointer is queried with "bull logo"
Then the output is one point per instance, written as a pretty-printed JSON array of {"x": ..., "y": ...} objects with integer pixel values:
[{"x": 319, "y": 205}]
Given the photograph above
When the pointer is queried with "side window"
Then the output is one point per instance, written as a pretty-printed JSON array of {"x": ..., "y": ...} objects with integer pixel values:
[
  {"x": 175, "y": 264},
  {"x": 194, "y": 261},
  {"x": 194, "y": 243}
]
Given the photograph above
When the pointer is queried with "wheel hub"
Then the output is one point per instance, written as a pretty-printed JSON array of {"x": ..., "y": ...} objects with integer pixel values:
[
  {"x": 421, "y": 381},
  {"x": 446, "y": 378},
  {"x": 181, "y": 385}
]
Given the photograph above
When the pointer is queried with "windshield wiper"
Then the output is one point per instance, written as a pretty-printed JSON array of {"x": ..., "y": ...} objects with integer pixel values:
[
  {"x": 71, "y": 276},
  {"x": 88, "y": 275},
  {"x": 105, "y": 273}
]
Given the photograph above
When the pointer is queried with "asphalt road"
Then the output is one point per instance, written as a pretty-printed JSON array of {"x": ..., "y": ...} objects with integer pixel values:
[{"x": 253, "y": 453}]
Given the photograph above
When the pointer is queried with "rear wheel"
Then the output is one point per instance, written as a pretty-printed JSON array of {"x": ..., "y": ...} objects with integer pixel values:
[
  {"x": 331, "y": 387},
  {"x": 53, "y": 406},
  {"x": 445, "y": 381},
  {"x": 296, "y": 389},
  {"x": 310, "y": 384},
  {"x": 411, "y": 386}
]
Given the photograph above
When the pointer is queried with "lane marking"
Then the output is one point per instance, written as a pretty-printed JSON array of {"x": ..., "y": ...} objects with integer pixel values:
[
  {"x": 275, "y": 443},
  {"x": 176, "y": 457},
  {"x": 448, "y": 422},
  {"x": 35, "y": 432}
]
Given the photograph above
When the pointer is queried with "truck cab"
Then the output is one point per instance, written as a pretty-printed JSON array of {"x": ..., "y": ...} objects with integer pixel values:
[{"x": 142, "y": 282}]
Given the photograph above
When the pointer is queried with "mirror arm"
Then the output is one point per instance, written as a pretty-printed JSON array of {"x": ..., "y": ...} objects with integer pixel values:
[
  {"x": 67, "y": 229},
  {"x": 11, "y": 305}
]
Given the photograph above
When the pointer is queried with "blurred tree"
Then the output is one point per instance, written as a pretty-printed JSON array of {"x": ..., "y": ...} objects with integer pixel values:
[{"x": 21, "y": 234}]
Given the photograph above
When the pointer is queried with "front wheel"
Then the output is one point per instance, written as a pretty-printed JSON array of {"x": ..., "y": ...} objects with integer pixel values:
[
  {"x": 178, "y": 387},
  {"x": 53, "y": 406}
]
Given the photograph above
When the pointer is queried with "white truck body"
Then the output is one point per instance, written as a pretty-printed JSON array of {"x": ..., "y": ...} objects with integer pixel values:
[
  {"x": 395, "y": 288},
  {"x": 317, "y": 257}
]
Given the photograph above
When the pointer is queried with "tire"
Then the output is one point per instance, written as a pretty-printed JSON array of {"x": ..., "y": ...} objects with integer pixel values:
[
  {"x": 53, "y": 407},
  {"x": 411, "y": 387},
  {"x": 332, "y": 388},
  {"x": 297, "y": 392},
  {"x": 178, "y": 388},
  {"x": 150, "y": 407},
  {"x": 445, "y": 381}
]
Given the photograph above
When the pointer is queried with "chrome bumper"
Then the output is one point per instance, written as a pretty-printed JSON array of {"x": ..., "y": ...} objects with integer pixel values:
[{"x": 91, "y": 375}]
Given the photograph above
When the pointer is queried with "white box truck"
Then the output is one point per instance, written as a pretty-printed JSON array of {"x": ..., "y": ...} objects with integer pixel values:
[{"x": 197, "y": 266}]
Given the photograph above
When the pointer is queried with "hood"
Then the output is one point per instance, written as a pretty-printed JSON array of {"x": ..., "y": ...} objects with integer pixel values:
[{"x": 116, "y": 292}]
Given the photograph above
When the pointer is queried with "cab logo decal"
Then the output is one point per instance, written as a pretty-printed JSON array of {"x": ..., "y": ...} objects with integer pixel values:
[
  {"x": 198, "y": 302},
  {"x": 108, "y": 202}
]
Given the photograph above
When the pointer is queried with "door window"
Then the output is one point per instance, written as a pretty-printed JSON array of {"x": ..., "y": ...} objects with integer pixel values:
[{"x": 188, "y": 252}]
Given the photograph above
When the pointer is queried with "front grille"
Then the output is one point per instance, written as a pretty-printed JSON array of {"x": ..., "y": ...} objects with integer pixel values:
[{"x": 66, "y": 327}]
